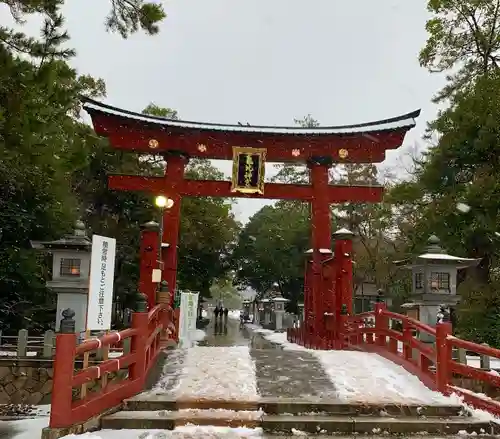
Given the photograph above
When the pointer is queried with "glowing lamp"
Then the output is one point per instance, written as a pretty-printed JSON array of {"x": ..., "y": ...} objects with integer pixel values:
[{"x": 163, "y": 202}]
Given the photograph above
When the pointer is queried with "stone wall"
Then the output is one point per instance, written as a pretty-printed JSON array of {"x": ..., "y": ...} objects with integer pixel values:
[
  {"x": 25, "y": 381},
  {"x": 29, "y": 381}
]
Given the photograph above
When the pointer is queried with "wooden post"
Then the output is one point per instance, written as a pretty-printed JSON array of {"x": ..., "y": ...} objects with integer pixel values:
[
  {"x": 381, "y": 323},
  {"x": 138, "y": 346},
  {"x": 443, "y": 356},
  {"x": 148, "y": 258},
  {"x": 62, "y": 387}
]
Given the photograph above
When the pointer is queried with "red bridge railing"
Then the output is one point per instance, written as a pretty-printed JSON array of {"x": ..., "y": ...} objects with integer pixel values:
[
  {"x": 421, "y": 349},
  {"x": 144, "y": 337}
]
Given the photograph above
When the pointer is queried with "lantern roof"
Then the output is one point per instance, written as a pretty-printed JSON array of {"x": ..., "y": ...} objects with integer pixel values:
[
  {"x": 435, "y": 254},
  {"x": 76, "y": 241}
]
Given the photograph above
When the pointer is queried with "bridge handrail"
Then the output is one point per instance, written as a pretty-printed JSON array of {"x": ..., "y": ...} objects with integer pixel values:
[
  {"x": 434, "y": 364},
  {"x": 144, "y": 335}
]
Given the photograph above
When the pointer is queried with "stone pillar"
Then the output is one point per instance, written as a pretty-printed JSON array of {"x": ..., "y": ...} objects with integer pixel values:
[
  {"x": 301, "y": 313},
  {"x": 257, "y": 310},
  {"x": 267, "y": 312},
  {"x": 279, "y": 311},
  {"x": 148, "y": 262}
]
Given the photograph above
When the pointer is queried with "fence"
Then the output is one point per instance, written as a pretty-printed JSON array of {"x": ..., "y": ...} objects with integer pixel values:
[
  {"x": 436, "y": 362},
  {"x": 24, "y": 345},
  {"x": 70, "y": 407}
]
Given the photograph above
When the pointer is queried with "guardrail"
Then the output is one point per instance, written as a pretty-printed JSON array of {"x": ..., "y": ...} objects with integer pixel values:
[
  {"x": 433, "y": 354},
  {"x": 25, "y": 345},
  {"x": 70, "y": 406}
]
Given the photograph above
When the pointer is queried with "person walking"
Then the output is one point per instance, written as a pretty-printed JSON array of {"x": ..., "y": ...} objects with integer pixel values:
[{"x": 226, "y": 313}]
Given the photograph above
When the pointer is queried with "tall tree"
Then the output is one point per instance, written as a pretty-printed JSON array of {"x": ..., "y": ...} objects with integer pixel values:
[
  {"x": 463, "y": 35},
  {"x": 271, "y": 249}
]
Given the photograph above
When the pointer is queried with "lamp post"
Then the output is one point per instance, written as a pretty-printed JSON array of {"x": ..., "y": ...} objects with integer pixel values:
[{"x": 163, "y": 203}]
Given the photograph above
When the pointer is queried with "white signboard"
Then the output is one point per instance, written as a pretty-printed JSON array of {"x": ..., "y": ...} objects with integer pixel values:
[
  {"x": 187, "y": 318},
  {"x": 102, "y": 273}
]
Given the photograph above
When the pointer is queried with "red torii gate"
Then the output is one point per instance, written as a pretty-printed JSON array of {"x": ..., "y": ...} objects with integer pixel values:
[{"x": 249, "y": 147}]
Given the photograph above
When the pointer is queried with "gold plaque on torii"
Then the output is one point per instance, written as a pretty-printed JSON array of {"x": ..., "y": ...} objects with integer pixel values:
[{"x": 249, "y": 166}]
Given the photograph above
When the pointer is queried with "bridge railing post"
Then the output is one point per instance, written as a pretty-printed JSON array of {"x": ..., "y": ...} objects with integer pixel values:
[
  {"x": 443, "y": 356},
  {"x": 140, "y": 321},
  {"x": 381, "y": 324},
  {"x": 62, "y": 384}
]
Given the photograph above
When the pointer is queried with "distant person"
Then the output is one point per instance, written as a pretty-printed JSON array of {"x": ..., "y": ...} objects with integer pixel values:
[
  {"x": 226, "y": 313},
  {"x": 217, "y": 311}
]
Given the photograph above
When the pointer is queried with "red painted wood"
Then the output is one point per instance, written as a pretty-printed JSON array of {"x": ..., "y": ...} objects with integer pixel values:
[
  {"x": 145, "y": 334},
  {"x": 443, "y": 356},
  {"x": 148, "y": 262},
  {"x": 211, "y": 188},
  {"x": 321, "y": 237},
  {"x": 135, "y": 136},
  {"x": 476, "y": 400},
  {"x": 62, "y": 389},
  {"x": 174, "y": 176}
]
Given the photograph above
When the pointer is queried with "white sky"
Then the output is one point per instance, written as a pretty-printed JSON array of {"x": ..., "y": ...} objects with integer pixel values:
[{"x": 264, "y": 62}]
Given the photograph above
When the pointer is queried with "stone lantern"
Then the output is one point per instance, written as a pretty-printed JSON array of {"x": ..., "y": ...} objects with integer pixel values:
[
  {"x": 434, "y": 281},
  {"x": 279, "y": 311},
  {"x": 246, "y": 309},
  {"x": 301, "y": 313},
  {"x": 70, "y": 273}
]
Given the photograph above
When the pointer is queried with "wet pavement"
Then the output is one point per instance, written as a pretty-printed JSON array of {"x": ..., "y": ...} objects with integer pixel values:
[{"x": 279, "y": 373}]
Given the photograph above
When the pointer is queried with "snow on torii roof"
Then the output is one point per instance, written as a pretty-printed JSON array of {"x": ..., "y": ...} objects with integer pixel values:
[{"x": 403, "y": 122}]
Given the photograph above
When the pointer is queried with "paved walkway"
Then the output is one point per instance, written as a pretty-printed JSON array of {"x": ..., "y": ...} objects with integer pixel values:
[
  {"x": 289, "y": 374},
  {"x": 279, "y": 373}
]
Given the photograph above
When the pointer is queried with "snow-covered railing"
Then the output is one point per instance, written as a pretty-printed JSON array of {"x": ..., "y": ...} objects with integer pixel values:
[
  {"x": 425, "y": 351},
  {"x": 70, "y": 406},
  {"x": 489, "y": 376}
]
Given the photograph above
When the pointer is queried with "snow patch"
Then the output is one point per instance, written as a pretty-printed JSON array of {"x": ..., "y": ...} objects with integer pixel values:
[
  {"x": 184, "y": 432},
  {"x": 366, "y": 377},
  {"x": 234, "y": 314},
  {"x": 210, "y": 372}
]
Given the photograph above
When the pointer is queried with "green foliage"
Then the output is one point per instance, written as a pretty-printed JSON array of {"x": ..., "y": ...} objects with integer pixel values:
[
  {"x": 208, "y": 233},
  {"x": 37, "y": 137},
  {"x": 271, "y": 249},
  {"x": 155, "y": 110},
  {"x": 463, "y": 35},
  {"x": 54, "y": 169},
  {"x": 479, "y": 312},
  {"x": 125, "y": 17}
]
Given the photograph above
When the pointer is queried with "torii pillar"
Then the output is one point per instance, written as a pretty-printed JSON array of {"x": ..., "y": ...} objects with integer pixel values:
[{"x": 321, "y": 233}]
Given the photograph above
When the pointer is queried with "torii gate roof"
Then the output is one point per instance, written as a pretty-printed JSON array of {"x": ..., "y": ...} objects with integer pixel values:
[{"x": 364, "y": 142}]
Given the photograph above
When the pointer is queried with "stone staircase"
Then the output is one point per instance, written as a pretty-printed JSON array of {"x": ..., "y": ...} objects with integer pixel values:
[{"x": 287, "y": 416}]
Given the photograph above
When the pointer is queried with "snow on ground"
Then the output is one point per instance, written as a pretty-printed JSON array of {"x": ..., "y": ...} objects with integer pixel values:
[
  {"x": 210, "y": 372},
  {"x": 32, "y": 429},
  {"x": 234, "y": 314},
  {"x": 198, "y": 335},
  {"x": 186, "y": 432},
  {"x": 366, "y": 377}
]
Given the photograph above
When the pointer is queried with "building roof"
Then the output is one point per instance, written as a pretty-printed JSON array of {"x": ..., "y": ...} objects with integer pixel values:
[{"x": 403, "y": 122}]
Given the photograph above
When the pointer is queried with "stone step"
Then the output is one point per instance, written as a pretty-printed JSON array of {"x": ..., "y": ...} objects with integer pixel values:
[
  {"x": 289, "y": 424},
  {"x": 372, "y": 425},
  {"x": 274, "y": 406},
  {"x": 166, "y": 420}
]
